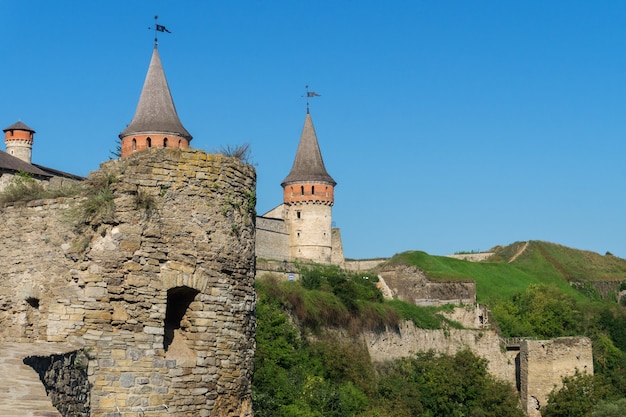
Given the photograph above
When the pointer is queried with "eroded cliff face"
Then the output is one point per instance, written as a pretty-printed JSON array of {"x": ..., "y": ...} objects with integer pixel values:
[{"x": 151, "y": 274}]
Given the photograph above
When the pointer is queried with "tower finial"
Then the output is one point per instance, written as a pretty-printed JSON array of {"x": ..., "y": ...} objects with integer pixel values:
[
  {"x": 158, "y": 28},
  {"x": 309, "y": 94}
]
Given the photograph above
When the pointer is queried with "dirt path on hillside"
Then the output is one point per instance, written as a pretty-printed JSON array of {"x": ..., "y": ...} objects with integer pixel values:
[{"x": 519, "y": 252}]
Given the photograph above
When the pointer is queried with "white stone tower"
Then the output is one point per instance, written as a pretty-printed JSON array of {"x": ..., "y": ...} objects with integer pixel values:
[{"x": 308, "y": 197}]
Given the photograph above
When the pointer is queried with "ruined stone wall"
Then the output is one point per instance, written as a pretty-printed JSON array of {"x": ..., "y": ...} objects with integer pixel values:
[
  {"x": 408, "y": 340},
  {"x": 152, "y": 274},
  {"x": 410, "y": 284},
  {"x": 543, "y": 363},
  {"x": 535, "y": 367},
  {"x": 336, "y": 257}
]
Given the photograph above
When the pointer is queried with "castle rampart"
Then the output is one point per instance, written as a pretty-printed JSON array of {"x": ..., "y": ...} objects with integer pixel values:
[{"x": 150, "y": 276}]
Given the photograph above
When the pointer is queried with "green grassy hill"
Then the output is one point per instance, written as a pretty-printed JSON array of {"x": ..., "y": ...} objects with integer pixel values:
[{"x": 515, "y": 267}]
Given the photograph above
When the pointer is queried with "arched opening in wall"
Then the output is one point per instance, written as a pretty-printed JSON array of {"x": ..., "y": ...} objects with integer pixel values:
[
  {"x": 134, "y": 144},
  {"x": 149, "y": 143},
  {"x": 313, "y": 190},
  {"x": 178, "y": 301},
  {"x": 165, "y": 143},
  {"x": 302, "y": 190},
  {"x": 180, "y": 141}
]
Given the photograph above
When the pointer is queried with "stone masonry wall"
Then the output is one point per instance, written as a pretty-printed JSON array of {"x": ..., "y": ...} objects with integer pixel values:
[
  {"x": 408, "y": 340},
  {"x": 543, "y": 363},
  {"x": 152, "y": 274},
  {"x": 410, "y": 284},
  {"x": 272, "y": 239}
]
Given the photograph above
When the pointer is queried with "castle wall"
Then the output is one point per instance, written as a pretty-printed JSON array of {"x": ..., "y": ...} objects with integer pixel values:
[
  {"x": 543, "y": 363},
  {"x": 358, "y": 265},
  {"x": 272, "y": 239},
  {"x": 408, "y": 340},
  {"x": 158, "y": 290},
  {"x": 535, "y": 369},
  {"x": 337, "y": 257}
]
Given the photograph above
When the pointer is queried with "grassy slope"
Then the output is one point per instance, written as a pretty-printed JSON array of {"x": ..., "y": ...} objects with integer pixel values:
[{"x": 540, "y": 262}]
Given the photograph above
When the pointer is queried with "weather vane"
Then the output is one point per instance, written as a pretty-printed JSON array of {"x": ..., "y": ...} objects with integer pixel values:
[
  {"x": 158, "y": 28},
  {"x": 309, "y": 94}
]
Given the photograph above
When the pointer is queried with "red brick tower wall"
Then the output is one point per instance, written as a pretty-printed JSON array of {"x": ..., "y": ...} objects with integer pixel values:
[
  {"x": 135, "y": 143},
  {"x": 315, "y": 192}
]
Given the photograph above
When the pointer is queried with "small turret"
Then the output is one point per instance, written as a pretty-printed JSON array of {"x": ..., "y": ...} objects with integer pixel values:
[
  {"x": 156, "y": 122},
  {"x": 18, "y": 139}
]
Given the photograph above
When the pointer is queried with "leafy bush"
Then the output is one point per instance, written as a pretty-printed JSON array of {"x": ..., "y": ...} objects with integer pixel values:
[
  {"x": 539, "y": 311},
  {"x": 442, "y": 385}
]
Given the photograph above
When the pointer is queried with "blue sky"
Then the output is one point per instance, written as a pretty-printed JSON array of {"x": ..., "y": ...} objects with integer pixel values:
[{"x": 448, "y": 125}]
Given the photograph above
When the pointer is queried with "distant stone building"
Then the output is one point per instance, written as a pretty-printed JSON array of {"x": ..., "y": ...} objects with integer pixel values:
[
  {"x": 301, "y": 229},
  {"x": 18, "y": 139}
]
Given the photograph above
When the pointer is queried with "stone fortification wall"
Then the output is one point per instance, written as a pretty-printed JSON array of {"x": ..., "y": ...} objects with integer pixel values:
[
  {"x": 535, "y": 368},
  {"x": 362, "y": 265},
  {"x": 410, "y": 284},
  {"x": 337, "y": 257},
  {"x": 272, "y": 239},
  {"x": 544, "y": 362},
  {"x": 408, "y": 340},
  {"x": 472, "y": 257},
  {"x": 152, "y": 275}
]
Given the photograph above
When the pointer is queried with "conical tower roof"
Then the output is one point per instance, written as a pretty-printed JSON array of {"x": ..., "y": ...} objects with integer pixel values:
[
  {"x": 308, "y": 165},
  {"x": 156, "y": 112},
  {"x": 19, "y": 125}
]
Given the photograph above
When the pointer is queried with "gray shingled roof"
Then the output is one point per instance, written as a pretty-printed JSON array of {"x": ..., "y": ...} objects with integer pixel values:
[
  {"x": 11, "y": 163},
  {"x": 156, "y": 112},
  {"x": 308, "y": 165},
  {"x": 18, "y": 126}
]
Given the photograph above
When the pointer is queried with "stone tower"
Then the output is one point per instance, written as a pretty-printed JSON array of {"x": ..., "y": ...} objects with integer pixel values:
[
  {"x": 18, "y": 139},
  {"x": 156, "y": 123},
  {"x": 308, "y": 197}
]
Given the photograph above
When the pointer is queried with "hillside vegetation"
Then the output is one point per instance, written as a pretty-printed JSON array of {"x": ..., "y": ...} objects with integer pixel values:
[{"x": 533, "y": 289}]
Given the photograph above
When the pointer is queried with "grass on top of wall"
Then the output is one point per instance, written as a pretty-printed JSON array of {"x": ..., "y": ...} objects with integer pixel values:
[{"x": 24, "y": 187}]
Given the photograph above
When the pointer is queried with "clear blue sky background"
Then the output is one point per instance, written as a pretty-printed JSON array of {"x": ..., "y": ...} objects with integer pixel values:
[{"x": 448, "y": 125}]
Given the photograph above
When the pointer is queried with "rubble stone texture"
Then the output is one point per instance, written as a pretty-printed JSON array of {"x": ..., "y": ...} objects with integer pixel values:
[{"x": 150, "y": 278}]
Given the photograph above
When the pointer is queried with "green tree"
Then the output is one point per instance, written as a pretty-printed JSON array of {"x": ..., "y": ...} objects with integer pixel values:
[
  {"x": 578, "y": 396},
  {"x": 610, "y": 408},
  {"x": 451, "y": 386},
  {"x": 541, "y": 311}
]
